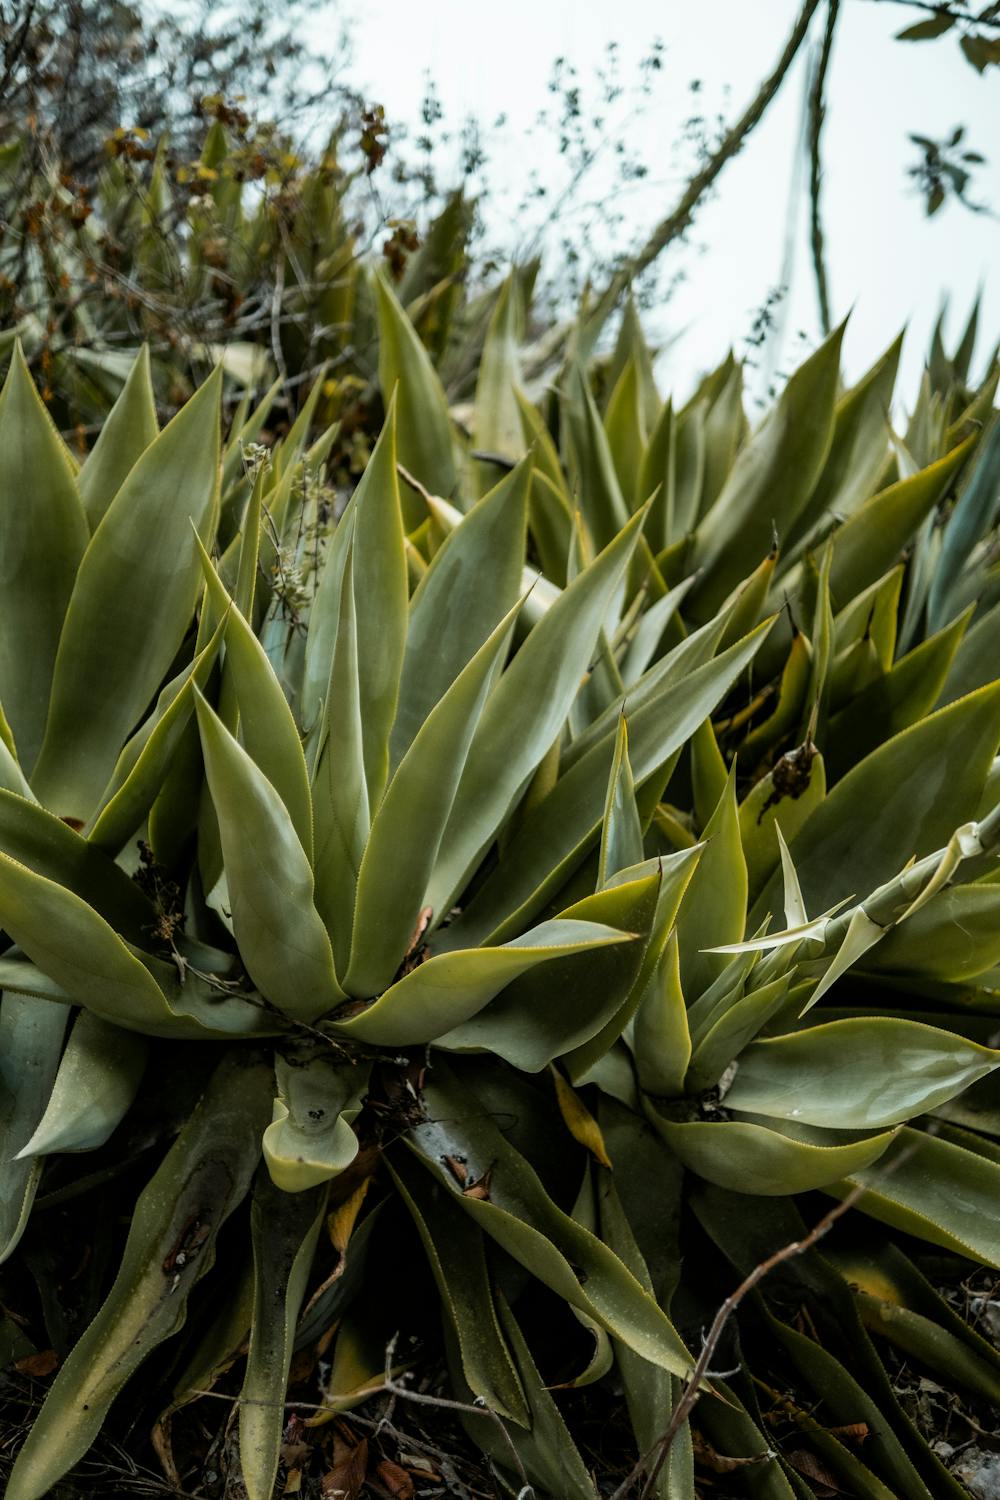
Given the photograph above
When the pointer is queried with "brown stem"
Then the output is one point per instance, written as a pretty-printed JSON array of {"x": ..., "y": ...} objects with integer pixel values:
[
  {"x": 692, "y": 1389},
  {"x": 480, "y": 1409}
]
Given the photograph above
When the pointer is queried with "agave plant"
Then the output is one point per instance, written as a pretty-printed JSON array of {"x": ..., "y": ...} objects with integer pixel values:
[
  {"x": 247, "y": 254},
  {"x": 574, "y": 856}
]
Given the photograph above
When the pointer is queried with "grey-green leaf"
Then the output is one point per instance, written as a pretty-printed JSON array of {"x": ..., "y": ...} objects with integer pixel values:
[
  {"x": 128, "y": 430},
  {"x": 31, "y": 1039},
  {"x": 43, "y": 533},
  {"x": 98, "y": 1078},
  {"x": 131, "y": 606},
  {"x": 170, "y": 1246},
  {"x": 284, "y": 1231},
  {"x": 282, "y": 938}
]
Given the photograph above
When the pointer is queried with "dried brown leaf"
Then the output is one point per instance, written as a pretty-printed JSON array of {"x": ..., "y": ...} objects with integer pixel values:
[
  {"x": 38, "y": 1365},
  {"x": 807, "y": 1464},
  {"x": 456, "y": 1166},
  {"x": 720, "y": 1463},
  {"x": 481, "y": 1187},
  {"x": 345, "y": 1479},
  {"x": 396, "y": 1480}
]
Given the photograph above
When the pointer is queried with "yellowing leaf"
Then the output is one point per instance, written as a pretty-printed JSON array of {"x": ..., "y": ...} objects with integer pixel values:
[{"x": 579, "y": 1121}]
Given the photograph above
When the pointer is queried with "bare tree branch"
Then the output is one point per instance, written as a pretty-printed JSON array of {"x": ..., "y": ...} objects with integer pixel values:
[
  {"x": 817, "y": 115},
  {"x": 954, "y": 12},
  {"x": 674, "y": 225},
  {"x": 479, "y": 1409}
]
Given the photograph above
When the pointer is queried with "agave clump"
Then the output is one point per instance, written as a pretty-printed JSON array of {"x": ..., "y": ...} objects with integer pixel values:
[
  {"x": 576, "y": 857},
  {"x": 214, "y": 244}
]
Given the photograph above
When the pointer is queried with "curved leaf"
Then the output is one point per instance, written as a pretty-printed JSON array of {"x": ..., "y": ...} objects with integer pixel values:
[
  {"x": 661, "y": 1037},
  {"x": 893, "y": 702},
  {"x": 526, "y": 711},
  {"x": 870, "y": 541},
  {"x": 380, "y": 598},
  {"x": 522, "y": 1218},
  {"x": 131, "y": 605},
  {"x": 857, "y": 1074},
  {"x": 424, "y": 439},
  {"x": 937, "y": 1191},
  {"x": 341, "y": 808},
  {"x": 128, "y": 430},
  {"x": 145, "y": 762},
  {"x": 771, "y": 480},
  {"x": 285, "y": 1232},
  {"x": 281, "y": 936},
  {"x": 565, "y": 823},
  {"x": 625, "y": 429},
  {"x": 621, "y": 832},
  {"x": 267, "y": 728},
  {"x": 74, "y": 946},
  {"x": 750, "y": 1158},
  {"x": 858, "y": 447},
  {"x": 43, "y": 533},
  {"x": 974, "y": 663},
  {"x": 904, "y": 799},
  {"x": 395, "y": 871},
  {"x": 497, "y": 416},
  {"x": 308, "y": 1140},
  {"x": 31, "y": 1039},
  {"x": 171, "y": 1244},
  {"x": 549, "y": 1012},
  {"x": 47, "y": 846},
  {"x": 98, "y": 1078},
  {"x": 954, "y": 937},
  {"x": 454, "y": 1246},
  {"x": 448, "y": 989},
  {"x": 473, "y": 580},
  {"x": 729, "y": 1030},
  {"x": 716, "y": 900},
  {"x": 601, "y": 500}
]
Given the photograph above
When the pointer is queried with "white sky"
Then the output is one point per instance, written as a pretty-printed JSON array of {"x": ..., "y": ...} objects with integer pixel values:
[{"x": 885, "y": 257}]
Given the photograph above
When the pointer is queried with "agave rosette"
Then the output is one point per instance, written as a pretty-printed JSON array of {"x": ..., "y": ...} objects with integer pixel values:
[{"x": 582, "y": 849}]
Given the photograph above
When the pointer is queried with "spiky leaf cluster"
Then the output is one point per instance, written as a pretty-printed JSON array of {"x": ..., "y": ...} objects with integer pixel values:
[{"x": 578, "y": 844}]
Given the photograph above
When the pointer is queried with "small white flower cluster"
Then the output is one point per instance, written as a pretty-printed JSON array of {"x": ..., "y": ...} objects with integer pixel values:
[{"x": 255, "y": 456}]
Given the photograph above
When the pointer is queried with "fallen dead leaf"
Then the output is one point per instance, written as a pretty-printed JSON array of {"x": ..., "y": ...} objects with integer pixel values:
[
  {"x": 456, "y": 1166},
  {"x": 396, "y": 1480},
  {"x": 345, "y": 1479},
  {"x": 817, "y": 1473},
  {"x": 856, "y": 1432},
  {"x": 480, "y": 1188},
  {"x": 721, "y": 1463},
  {"x": 39, "y": 1365}
]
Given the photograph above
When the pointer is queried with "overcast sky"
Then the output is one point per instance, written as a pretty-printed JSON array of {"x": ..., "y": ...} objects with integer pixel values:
[{"x": 886, "y": 259}]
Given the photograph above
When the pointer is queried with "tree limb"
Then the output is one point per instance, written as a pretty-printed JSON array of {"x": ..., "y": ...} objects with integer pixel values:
[
  {"x": 817, "y": 115},
  {"x": 674, "y": 225},
  {"x": 943, "y": 8}
]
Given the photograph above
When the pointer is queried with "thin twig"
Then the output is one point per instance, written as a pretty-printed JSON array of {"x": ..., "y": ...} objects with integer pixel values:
[
  {"x": 480, "y": 1409},
  {"x": 660, "y": 1449},
  {"x": 276, "y": 299},
  {"x": 377, "y": 1425},
  {"x": 955, "y": 12}
]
